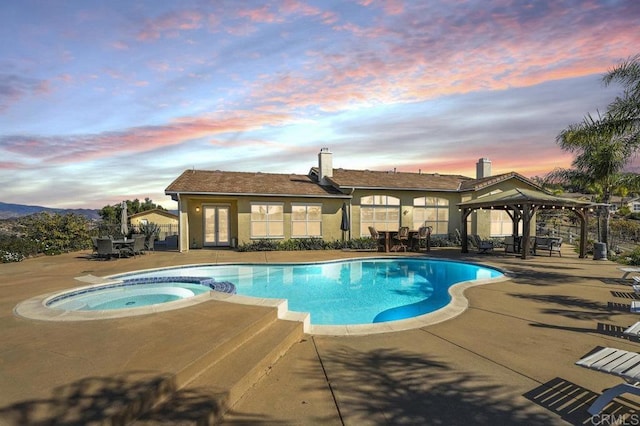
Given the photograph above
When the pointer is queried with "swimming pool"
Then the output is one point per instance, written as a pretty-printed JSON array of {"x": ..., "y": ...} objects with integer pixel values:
[
  {"x": 354, "y": 296},
  {"x": 345, "y": 292}
]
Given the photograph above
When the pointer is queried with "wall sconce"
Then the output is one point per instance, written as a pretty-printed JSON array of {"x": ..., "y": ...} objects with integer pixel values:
[{"x": 198, "y": 209}]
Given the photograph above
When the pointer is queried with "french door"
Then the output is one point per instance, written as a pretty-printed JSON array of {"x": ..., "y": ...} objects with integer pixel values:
[{"x": 216, "y": 225}]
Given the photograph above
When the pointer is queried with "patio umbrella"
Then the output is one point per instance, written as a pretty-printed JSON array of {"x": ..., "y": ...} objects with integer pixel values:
[
  {"x": 124, "y": 229},
  {"x": 345, "y": 225}
]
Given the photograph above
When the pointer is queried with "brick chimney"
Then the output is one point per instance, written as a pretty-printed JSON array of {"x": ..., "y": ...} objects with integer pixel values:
[
  {"x": 325, "y": 165},
  {"x": 483, "y": 168}
]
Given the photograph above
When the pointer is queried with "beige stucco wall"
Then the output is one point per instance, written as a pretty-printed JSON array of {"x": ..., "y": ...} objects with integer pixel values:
[
  {"x": 192, "y": 230},
  {"x": 240, "y": 217},
  {"x": 406, "y": 208}
]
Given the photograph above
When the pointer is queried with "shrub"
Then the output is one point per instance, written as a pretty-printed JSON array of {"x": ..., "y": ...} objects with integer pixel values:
[
  {"x": 45, "y": 233},
  {"x": 298, "y": 244},
  {"x": 632, "y": 258}
]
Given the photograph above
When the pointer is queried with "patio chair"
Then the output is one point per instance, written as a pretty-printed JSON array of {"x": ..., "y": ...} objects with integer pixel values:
[
  {"x": 94, "y": 244},
  {"x": 401, "y": 239},
  {"x": 378, "y": 238},
  {"x": 106, "y": 249},
  {"x": 138, "y": 245},
  {"x": 483, "y": 246},
  {"x": 616, "y": 362},
  {"x": 424, "y": 237},
  {"x": 509, "y": 244}
]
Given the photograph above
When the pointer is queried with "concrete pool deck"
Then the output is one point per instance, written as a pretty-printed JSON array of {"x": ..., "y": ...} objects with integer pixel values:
[{"x": 509, "y": 358}]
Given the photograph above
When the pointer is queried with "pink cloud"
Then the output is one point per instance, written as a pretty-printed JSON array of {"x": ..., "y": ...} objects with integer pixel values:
[
  {"x": 170, "y": 24},
  {"x": 14, "y": 88},
  {"x": 120, "y": 45},
  {"x": 62, "y": 150},
  {"x": 260, "y": 15},
  {"x": 511, "y": 51}
]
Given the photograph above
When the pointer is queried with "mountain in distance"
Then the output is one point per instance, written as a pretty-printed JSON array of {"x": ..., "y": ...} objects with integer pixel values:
[{"x": 10, "y": 211}]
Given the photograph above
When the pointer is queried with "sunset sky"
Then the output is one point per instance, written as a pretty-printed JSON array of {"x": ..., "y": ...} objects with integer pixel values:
[{"x": 103, "y": 101}]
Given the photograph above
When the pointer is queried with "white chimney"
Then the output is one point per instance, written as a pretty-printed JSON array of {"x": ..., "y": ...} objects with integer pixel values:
[
  {"x": 325, "y": 165},
  {"x": 483, "y": 168}
]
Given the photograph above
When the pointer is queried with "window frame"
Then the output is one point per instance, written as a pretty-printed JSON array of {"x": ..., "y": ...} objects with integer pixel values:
[
  {"x": 379, "y": 205},
  {"x": 306, "y": 221},
  {"x": 440, "y": 207},
  {"x": 267, "y": 222}
]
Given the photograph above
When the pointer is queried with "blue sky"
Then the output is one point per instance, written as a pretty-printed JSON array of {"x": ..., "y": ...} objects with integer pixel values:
[{"x": 106, "y": 101}]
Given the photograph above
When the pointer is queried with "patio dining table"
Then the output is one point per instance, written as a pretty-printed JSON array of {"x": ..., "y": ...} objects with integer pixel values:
[
  {"x": 124, "y": 244},
  {"x": 389, "y": 234}
]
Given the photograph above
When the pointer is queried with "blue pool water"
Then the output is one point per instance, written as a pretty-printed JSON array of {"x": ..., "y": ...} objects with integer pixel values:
[
  {"x": 136, "y": 293},
  {"x": 361, "y": 291}
]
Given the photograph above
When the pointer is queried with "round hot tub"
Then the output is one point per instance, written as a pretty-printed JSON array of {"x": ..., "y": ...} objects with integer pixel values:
[{"x": 135, "y": 293}]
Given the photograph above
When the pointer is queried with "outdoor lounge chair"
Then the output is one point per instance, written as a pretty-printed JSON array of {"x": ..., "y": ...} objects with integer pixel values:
[
  {"x": 553, "y": 244},
  {"x": 483, "y": 246},
  {"x": 633, "y": 330},
  {"x": 628, "y": 270},
  {"x": 619, "y": 363}
]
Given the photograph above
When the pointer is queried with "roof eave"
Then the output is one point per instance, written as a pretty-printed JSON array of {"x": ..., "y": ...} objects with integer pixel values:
[
  {"x": 255, "y": 194},
  {"x": 394, "y": 188}
]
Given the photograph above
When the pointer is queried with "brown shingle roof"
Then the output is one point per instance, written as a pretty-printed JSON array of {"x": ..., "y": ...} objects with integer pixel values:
[
  {"x": 221, "y": 182},
  {"x": 157, "y": 211},
  {"x": 396, "y": 180},
  {"x": 477, "y": 184}
]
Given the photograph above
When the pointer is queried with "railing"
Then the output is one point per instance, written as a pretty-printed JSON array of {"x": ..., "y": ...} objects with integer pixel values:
[{"x": 165, "y": 230}]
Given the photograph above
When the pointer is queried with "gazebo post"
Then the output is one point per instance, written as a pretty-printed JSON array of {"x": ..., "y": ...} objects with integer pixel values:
[
  {"x": 465, "y": 241},
  {"x": 528, "y": 210},
  {"x": 583, "y": 214}
]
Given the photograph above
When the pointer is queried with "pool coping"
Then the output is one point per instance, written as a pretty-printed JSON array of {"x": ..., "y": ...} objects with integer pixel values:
[{"x": 35, "y": 307}]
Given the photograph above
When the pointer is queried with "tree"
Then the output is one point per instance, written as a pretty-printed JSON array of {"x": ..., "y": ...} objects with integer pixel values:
[{"x": 604, "y": 145}]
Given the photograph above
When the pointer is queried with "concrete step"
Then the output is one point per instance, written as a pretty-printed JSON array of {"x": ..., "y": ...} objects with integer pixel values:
[{"x": 205, "y": 398}]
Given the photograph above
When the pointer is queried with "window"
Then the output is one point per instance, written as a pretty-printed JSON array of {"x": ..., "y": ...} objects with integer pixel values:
[
  {"x": 431, "y": 211},
  {"x": 380, "y": 211},
  {"x": 306, "y": 220},
  {"x": 267, "y": 221},
  {"x": 501, "y": 223}
]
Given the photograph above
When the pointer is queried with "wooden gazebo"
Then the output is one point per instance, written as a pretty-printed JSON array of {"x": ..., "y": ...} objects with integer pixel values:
[{"x": 521, "y": 205}]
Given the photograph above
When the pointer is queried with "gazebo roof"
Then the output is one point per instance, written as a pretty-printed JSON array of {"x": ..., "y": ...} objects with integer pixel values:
[{"x": 521, "y": 196}]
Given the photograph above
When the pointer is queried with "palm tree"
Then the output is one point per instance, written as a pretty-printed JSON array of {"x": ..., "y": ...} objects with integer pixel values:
[
  {"x": 627, "y": 107},
  {"x": 604, "y": 145}
]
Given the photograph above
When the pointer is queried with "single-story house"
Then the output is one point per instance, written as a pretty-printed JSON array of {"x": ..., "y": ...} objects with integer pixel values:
[
  {"x": 633, "y": 204},
  {"x": 223, "y": 209},
  {"x": 166, "y": 221}
]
